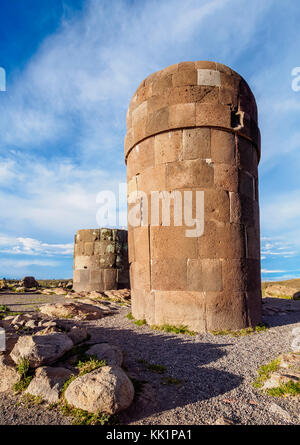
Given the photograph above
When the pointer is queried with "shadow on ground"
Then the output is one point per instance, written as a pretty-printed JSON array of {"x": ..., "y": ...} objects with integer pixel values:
[
  {"x": 183, "y": 359},
  {"x": 280, "y": 311}
]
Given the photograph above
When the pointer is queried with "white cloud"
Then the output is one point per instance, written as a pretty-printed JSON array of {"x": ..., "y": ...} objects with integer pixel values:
[
  {"x": 266, "y": 271},
  {"x": 30, "y": 246}
]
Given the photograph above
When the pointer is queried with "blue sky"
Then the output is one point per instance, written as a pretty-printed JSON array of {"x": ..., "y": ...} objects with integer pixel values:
[{"x": 72, "y": 67}]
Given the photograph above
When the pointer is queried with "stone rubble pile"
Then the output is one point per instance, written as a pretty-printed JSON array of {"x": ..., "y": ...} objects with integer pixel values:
[{"x": 47, "y": 342}]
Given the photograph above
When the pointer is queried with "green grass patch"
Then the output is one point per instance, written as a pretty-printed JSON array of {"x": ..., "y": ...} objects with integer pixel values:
[
  {"x": 81, "y": 417},
  {"x": 159, "y": 369},
  {"x": 171, "y": 381},
  {"x": 22, "y": 384},
  {"x": 174, "y": 329},
  {"x": 287, "y": 389},
  {"x": 265, "y": 371},
  {"x": 138, "y": 385},
  {"x": 137, "y": 322},
  {"x": 242, "y": 332},
  {"x": 89, "y": 365}
]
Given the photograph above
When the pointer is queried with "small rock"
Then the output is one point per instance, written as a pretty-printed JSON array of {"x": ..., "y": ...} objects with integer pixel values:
[
  {"x": 107, "y": 389},
  {"x": 69, "y": 285},
  {"x": 31, "y": 324},
  {"x": 48, "y": 383},
  {"x": 41, "y": 349},
  {"x": 276, "y": 409},
  {"x": 29, "y": 283},
  {"x": 290, "y": 361},
  {"x": 8, "y": 374},
  {"x": 110, "y": 353},
  {"x": 77, "y": 334},
  {"x": 224, "y": 421},
  {"x": 296, "y": 296},
  {"x": 77, "y": 311}
]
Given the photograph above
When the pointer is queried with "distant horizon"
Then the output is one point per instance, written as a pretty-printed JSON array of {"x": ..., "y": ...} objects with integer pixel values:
[{"x": 71, "y": 68}]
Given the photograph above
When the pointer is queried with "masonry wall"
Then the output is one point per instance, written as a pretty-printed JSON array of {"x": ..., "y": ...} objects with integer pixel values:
[
  {"x": 100, "y": 260},
  {"x": 193, "y": 126}
]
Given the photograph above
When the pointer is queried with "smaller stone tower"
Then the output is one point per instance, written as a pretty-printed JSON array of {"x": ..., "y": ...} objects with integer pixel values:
[{"x": 100, "y": 260}]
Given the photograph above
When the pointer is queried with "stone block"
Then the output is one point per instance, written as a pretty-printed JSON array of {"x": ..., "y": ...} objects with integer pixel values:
[
  {"x": 246, "y": 184},
  {"x": 190, "y": 173},
  {"x": 185, "y": 77},
  {"x": 247, "y": 156},
  {"x": 196, "y": 143},
  {"x": 152, "y": 179},
  {"x": 171, "y": 242},
  {"x": 253, "y": 242},
  {"x": 215, "y": 115},
  {"x": 168, "y": 146},
  {"x": 204, "y": 275},
  {"x": 140, "y": 275},
  {"x": 169, "y": 274},
  {"x": 157, "y": 121},
  {"x": 226, "y": 177},
  {"x": 182, "y": 115},
  {"x": 141, "y": 157},
  {"x": 142, "y": 243},
  {"x": 89, "y": 249},
  {"x": 235, "y": 275},
  {"x": 204, "y": 94},
  {"x": 216, "y": 205},
  {"x": 208, "y": 77},
  {"x": 225, "y": 311},
  {"x": 186, "y": 66},
  {"x": 222, "y": 147},
  {"x": 178, "y": 309}
]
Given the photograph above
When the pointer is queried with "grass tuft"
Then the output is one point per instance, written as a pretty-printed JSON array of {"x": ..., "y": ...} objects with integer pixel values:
[
  {"x": 81, "y": 417},
  {"x": 242, "y": 332},
  {"x": 287, "y": 389},
  {"x": 265, "y": 371},
  {"x": 174, "y": 329}
]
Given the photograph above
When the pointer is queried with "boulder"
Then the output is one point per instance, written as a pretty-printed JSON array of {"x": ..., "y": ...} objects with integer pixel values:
[
  {"x": 110, "y": 353},
  {"x": 8, "y": 373},
  {"x": 77, "y": 334},
  {"x": 281, "y": 377},
  {"x": 107, "y": 389},
  {"x": 48, "y": 383},
  {"x": 41, "y": 349},
  {"x": 29, "y": 283},
  {"x": 77, "y": 311},
  {"x": 69, "y": 285},
  {"x": 296, "y": 296}
]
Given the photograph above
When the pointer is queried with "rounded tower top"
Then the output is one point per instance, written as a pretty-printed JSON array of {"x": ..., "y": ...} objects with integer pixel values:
[{"x": 192, "y": 94}]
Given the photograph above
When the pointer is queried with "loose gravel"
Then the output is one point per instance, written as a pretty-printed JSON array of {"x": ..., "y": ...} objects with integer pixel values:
[{"x": 216, "y": 374}]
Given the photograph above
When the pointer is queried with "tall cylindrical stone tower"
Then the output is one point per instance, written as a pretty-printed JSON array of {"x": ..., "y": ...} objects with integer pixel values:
[
  {"x": 100, "y": 260},
  {"x": 192, "y": 127}
]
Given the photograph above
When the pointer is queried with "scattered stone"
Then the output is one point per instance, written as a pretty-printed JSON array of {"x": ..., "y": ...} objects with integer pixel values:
[
  {"x": 110, "y": 353},
  {"x": 281, "y": 377},
  {"x": 29, "y": 283},
  {"x": 77, "y": 311},
  {"x": 48, "y": 383},
  {"x": 290, "y": 361},
  {"x": 107, "y": 389},
  {"x": 41, "y": 349},
  {"x": 224, "y": 421},
  {"x": 77, "y": 334},
  {"x": 296, "y": 296},
  {"x": 69, "y": 285},
  {"x": 276, "y": 409},
  {"x": 31, "y": 324},
  {"x": 8, "y": 374}
]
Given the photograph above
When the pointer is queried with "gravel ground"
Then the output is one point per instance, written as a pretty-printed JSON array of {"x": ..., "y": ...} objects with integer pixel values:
[{"x": 216, "y": 374}]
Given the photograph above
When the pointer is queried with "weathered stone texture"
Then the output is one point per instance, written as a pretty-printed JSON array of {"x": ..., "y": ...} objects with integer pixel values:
[
  {"x": 100, "y": 260},
  {"x": 193, "y": 126}
]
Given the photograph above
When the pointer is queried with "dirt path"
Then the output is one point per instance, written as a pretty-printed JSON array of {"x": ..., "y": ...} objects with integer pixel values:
[{"x": 215, "y": 374}]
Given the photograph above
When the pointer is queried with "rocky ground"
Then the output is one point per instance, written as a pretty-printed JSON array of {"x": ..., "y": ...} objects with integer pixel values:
[{"x": 181, "y": 379}]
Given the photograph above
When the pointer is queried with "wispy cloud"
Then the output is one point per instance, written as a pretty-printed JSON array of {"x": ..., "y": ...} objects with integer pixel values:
[{"x": 30, "y": 246}]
